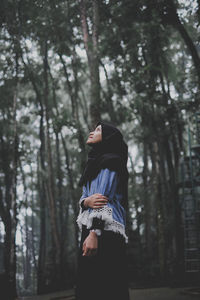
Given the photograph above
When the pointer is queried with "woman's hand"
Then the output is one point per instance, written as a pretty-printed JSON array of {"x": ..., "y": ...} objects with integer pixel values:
[
  {"x": 90, "y": 244},
  {"x": 95, "y": 201}
]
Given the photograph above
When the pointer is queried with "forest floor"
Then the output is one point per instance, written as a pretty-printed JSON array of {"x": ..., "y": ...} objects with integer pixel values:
[{"x": 163, "y": 293}]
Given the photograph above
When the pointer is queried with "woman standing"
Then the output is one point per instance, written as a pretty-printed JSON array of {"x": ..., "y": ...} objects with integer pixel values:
[{"x": 102, "y": 265}]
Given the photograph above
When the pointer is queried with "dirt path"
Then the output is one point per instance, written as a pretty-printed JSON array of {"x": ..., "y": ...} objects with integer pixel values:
[{"x": 164, "y": 293}]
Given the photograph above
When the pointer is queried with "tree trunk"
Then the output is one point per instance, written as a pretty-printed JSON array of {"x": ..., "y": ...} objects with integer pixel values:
[
  {"x": 160, "y": 219},
  {"x": 147, "y": 207},
  {"x": 177, "y": 234},
  {"x": 11, "y": 223},
  {"x": 33, "y": 229},
  {"x": 25, "y": 231},
  {"x": 41, "y": 277},
  {"x": 50, "y": 180},
  {"x": 59, "y": 197},
  {"x": 91, "y": 46}
]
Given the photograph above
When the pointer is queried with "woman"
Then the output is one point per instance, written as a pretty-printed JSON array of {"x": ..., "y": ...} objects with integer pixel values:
[{"x": 102, "y": 266}]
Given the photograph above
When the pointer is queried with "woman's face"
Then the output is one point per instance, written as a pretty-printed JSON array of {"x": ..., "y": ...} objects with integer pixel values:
[{"x": 95, "y": 136}]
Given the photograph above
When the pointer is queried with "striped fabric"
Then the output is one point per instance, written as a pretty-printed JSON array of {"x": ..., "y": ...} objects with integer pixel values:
[{"x": 108, "y": 184}]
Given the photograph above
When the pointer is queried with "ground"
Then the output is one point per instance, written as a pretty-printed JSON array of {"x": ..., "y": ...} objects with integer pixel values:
[{"x": 164, "y": 293}]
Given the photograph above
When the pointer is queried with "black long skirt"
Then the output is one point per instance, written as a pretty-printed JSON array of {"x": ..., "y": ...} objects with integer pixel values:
[{"x": 103, "y": 276}]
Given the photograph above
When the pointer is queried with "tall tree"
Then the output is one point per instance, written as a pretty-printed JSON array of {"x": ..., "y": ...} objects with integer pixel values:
[{"x": 91, "y": 45}]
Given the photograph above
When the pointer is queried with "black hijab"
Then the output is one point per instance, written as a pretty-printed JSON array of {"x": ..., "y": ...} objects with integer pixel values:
[{"x": 111, "y": 153}]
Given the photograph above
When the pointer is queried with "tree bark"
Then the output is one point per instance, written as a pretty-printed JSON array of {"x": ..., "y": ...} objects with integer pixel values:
[
  {"x": 26, "y": 241},
  {"x": 91, "y": 46},
  {"x": 11, "y": 214},
  {"x": 147, "y": 207},
  {"x": 50, "y": 179},
  {"x": 159, "y": 217}
]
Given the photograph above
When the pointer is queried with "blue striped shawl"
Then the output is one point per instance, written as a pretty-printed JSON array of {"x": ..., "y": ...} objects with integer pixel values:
[{"x": 108, "y": 184}]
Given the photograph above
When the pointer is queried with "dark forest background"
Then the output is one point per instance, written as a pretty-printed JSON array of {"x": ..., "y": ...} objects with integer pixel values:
[{"x": 63, "y": 66}]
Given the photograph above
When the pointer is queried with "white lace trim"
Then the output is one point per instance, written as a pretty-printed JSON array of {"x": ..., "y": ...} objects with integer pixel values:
[
  {"x": 86, "y": 217},
  {"x": 104, "y": 213}
]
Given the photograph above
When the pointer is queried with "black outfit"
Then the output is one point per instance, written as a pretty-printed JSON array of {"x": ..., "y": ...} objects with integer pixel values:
[{"x": 104, "y": 276}]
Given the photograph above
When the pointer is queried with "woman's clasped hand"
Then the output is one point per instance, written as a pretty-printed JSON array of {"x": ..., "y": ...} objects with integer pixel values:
[{"x": 96, "y": 201}]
